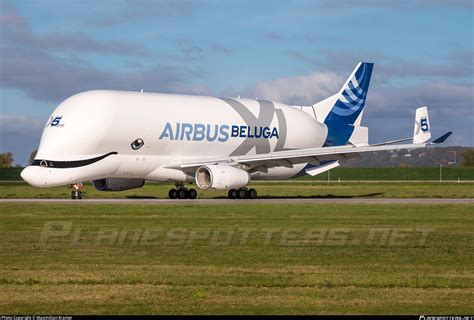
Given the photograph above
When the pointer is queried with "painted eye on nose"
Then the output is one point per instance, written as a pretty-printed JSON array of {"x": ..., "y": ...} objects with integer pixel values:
[{"x": 137, "y": 144}]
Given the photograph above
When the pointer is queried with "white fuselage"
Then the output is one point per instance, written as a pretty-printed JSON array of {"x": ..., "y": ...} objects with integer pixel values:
[{"x": 145, "y": 131}]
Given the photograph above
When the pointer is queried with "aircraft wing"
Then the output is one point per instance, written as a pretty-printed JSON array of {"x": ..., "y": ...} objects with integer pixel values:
[
  {"x": 290, "y": 157},
  {"x": 316, "y": 156}
]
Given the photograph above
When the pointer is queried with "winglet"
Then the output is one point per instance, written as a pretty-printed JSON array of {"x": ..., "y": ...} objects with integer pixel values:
[
  {"x": 442, "y": 138},
  {"x": 422, "y": 130}
]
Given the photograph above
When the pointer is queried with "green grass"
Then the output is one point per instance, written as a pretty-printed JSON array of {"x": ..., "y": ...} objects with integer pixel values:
[
  {"x": 173, "y": 275},
  {"x": 290, "y": 189}
]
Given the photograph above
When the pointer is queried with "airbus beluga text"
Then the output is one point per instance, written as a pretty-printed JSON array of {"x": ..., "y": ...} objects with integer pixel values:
[{"x": 121, "y": 139}]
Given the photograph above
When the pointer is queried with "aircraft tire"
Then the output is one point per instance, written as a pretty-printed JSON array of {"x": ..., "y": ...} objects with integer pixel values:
[
  {"x": 252, "y": 193},
  {"x": 182, "y": 194},
  {"x": 242, "y": 194},
  {"x": 232, "y": 194},
  {"x": 172, "y": 194},
  {"x": 192, "y": 194}
]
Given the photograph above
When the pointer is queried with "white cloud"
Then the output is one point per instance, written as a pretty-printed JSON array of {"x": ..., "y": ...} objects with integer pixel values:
[
  {"x": 304, "y": 89},
  {"x": 389, "y": 109}
]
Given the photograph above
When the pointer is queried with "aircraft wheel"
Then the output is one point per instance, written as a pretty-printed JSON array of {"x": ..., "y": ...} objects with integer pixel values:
[
  {"x": 242, "y": 193},
  {"x": 172, "y": 194},
  {"x": 76, "y": 194},
  {"x": 252, "y": 193},
  {"x": 182, "y": 194},
  {"x": 232, "y": 194},
  {"x": 192, "y": 194}
]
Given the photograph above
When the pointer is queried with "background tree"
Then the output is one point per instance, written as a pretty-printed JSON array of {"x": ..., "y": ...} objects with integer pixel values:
[
  {"x": 467, "y": 158},
  {"x": 32, "y": 156},
  {"x": 6, "y": 160}
]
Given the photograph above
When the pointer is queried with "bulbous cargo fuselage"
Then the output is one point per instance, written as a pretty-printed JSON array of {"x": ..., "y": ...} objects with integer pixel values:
[{"x": 141, "y": 132}]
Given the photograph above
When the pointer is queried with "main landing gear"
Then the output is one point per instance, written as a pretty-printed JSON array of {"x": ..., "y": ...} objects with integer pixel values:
[
  {"x": 76, "y": 193},
  {"x": 182, "y": 193},
  {"x": 242, "y": 193}
]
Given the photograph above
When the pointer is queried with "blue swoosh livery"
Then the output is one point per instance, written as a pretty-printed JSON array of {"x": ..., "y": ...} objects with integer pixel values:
[{"x": 349, "y": 105}]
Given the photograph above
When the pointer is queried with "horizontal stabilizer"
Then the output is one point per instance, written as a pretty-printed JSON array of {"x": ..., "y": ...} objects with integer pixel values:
[{"x": 442, "y": 138}]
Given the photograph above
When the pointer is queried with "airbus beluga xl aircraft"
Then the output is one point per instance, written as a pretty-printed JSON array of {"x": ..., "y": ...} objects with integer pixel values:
[{"x": 118, "y": 139}]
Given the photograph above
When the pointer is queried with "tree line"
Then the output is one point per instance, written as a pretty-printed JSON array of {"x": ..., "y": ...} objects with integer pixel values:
[{"x": 7, "y": 161}]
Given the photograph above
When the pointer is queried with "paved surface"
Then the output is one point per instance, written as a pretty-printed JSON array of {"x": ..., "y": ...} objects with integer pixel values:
[{"x": 254, "y": 201}]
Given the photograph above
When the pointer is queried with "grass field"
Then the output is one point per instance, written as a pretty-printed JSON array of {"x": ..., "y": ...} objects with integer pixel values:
[
  {"x": 292, "y": 189},
  {"x": 246, "y": 259}
]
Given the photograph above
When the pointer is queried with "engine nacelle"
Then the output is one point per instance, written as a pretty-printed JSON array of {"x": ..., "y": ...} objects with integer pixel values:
[
  {"x": 221, "y": 177},
  {"x": 118, "y": 184}
]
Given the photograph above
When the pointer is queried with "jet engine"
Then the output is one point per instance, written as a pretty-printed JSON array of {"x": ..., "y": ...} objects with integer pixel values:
[
  {"x": 118, "y": 184},
  {"x": 221, "y": 177}
]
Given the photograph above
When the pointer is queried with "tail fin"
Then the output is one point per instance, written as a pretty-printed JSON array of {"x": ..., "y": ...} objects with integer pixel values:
[{"x": 348, "y": 104}]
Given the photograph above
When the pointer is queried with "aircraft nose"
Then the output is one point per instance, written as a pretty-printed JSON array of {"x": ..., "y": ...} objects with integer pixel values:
[{"x": 30, "y": 175}]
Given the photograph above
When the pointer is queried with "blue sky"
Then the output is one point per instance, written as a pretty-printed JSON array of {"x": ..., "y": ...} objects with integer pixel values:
[{"x": 297, "y": 52}]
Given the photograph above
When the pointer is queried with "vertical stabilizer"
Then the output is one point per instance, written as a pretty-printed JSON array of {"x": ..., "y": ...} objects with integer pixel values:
[{"x": 344, "y": 109}]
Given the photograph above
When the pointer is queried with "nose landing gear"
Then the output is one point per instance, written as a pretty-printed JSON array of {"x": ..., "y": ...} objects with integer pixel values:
[
  {"x": 182, "y": 192},
  {"x": 76, "y": 193},
  {"x": 242, "y": 193}
]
